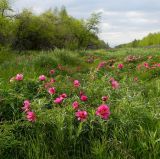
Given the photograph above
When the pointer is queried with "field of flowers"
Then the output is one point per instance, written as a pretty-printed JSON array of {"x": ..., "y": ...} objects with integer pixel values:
[{"x": 80, "y": 105}]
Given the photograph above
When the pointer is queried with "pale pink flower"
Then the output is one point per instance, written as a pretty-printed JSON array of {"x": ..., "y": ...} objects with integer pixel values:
[
  {"x": 76, "y": 83},
  {"x": 52, "y": 80},
  {"x": 31, "y": 116},
  {"x": 158, "y": 65},
  {"x": 81, "y": 115},
  {"x": 75, "y": 105},
  {"x": 120, "y": 66},
  {"x": 103, "y": 111},
  {"x": 19, "y": 77},
  {"x": 42, "y": 77},
  {"x": 84, "y": 98},
  {"x": 115, "y": 84},
  {"x": 101, "y": 64},
  {"x": 51, "y": 90}
]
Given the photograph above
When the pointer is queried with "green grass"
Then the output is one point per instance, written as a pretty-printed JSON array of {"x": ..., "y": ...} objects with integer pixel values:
[{"x": 131, "y": 132}]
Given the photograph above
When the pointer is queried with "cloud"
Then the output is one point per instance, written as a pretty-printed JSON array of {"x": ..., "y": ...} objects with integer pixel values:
[{"x": 122, "y": 20}]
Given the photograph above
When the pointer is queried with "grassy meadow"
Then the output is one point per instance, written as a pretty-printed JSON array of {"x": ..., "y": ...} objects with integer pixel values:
[{"x": 132, "y": 129}]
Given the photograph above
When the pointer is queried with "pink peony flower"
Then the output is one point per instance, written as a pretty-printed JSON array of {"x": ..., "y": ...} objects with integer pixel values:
[
  {"x": 52, "y": 72},
  {"x": 115, "y": 84},
  {"x": 104, "y": 98},
  {"x": 146, "y": 65},
  {"x": 64, "y": 95},
  {"x": 76, "y": 83},
  {"x": 81, "y": 115},
  {"x": 51, "y": 90},
  {"x": 158, "y": 65},
  {"x": 84, "y": 98},
  {"x": 42, "y": 77},
  {"x": 26, "y": 105},
  {"x": 52, "y": 80},
  {"x": 101, "y": 64},
  {"x": 75, "y": 105},
  {"x": 103, "y": 111},
  {"x": 19, "y": 77},
  {"x": 31, "y": 116},
  {"x": 58, "y": 100},
  {"x": 120, "y": 66}
]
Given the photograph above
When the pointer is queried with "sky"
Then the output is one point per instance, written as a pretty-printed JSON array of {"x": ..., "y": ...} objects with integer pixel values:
[{"x": 122, "y": 20}]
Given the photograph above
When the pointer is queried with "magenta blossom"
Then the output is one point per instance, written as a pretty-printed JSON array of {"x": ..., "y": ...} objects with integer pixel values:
[
  {"x": 51, "y": 90},
  {"x": 75, "y": 105},
  {"x": 81, "y": 115},
  {"x": 19, "y": 77},
  {"x": 120, "y": 66},
  {"x": 26, "y": 106},
  {"x": 101, "y": 64},
  {"x": 31, "y": 116},
  {"x": 76, "y": 83},
  {"x": 64, "y": 95},
  {"x": 103, "y": 111},
  {"x": 52, "y": 72},
  {"x": 42, "y": 77},
  {"x": 104, "y": 98},
  {"x": 84, "y": 98},
  {"x": 146, "y": 65},
  {"x": 58, "y": 100}
]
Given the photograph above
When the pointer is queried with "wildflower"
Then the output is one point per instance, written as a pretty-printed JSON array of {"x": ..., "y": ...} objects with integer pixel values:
[
  {"x": 26, "y": 105},
  {"x": 52, "y": 80},
  {"x": 76, "y": 83},
  {"x": 146, "y": 65},
  {"x": 101, "y": 64},
  {"x": 81, "y": 115},
  {"x": 84, "y": 98},
  {"x": 75, "y": 105},
  {"x": 104, "y": 98},
  {"x": 42, "y": 77},
  {"x": 51, "y": 90},
  {"x": 115, "y": 84},
  {"x": 64, "y": 95},
  {"x": 52, "y": 72},
  {"x": 120, "y": 66},
  {"x": 135, "y": 79},
  {"x": 58, "y": 100},
  {"x": 31, "y": 116},
  {"x": 158, "y": 65},
  {"x": 103, "y": 111},
  {"x": 19, "y": 77}
]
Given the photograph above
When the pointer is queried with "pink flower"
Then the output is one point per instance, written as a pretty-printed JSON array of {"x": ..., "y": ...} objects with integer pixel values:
[
  {"x": 81, "y": 115},
  {"x": 115, "y": 84},
  {"x": 76, "y": 83},
  {"x": 52, "y": 72},
  {"x": 64, "y": 95},
  {"x": 42, "y": 77},
  {"x": 120, "y": 66},
  {"x": 31, "y": 116},
  {"x": 146, "y": 65},
  {"x": 26, "y": 105},
  {"x": 58, "y": 100},
  {"x": 75, "y": 105},
  {"x": 84, "y": 98},
  {"x": 52, "y": 80},
  {"x": 158, "y": 65},
  {"x": 19, "y": 77},
  {"x": 101, "y": 64},
  {"x": 104, "y": 98},
  {"x": 103, "y": 111},
  {"x": 51, "y": 90}
]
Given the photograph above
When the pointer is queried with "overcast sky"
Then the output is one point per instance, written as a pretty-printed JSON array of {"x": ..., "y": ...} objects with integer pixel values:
[{"x": 122, "y": 20}]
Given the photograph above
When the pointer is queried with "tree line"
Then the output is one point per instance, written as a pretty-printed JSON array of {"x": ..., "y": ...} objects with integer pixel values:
[
  {"x": 48, "y": 30},
  {"x": 151, "y": 40}
]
